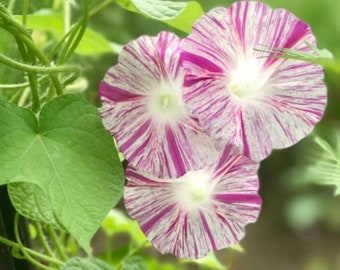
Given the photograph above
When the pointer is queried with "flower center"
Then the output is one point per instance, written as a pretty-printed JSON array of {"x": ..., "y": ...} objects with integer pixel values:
[
  {"x": 165, "y": 101},
  {"x": 165, "y": 105},
  {"x": 193, "y": 190},
  {"x": 244, "y": 80}
]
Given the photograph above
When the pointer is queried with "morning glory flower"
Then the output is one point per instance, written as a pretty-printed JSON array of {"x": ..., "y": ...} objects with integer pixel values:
[
  {"x": 203, "y": 210},
  {"x": 249, "y": 97},
  {"x": 143, "y": 108}
]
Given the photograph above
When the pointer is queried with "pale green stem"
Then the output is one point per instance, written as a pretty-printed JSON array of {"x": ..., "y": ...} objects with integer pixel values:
[
  {"x": 25, "y": 6},
  {"x": 38, "y": 69},
  {"x": 101, "y": 6},
  {"x": 43, "y": 240},
  {"x": 10, "y": 6},
  {"x": 67, "y": 16},
  {"x": 31, "y": 252},
  {"x": 24, "y": 97},
  {"x": 23, "y": 250},
  {"x": 57, "y": 245},
  {"x": 17, "y": 86}
]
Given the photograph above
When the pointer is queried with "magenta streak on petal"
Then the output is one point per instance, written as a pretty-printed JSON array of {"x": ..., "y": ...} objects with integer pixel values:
[
  {"x": 246, "y": 150},
  {"x": 200, "y": 61},
  {"x": 133, "y": 177},
  {"x": 207, "y": 230},
  {"x": 137, "y": 59},
  {"x": 139, "y": 150},
  {"x": 300, "y": 30},
  {"x": 148, "y": 226},
  {"x": 238, "y": 198},
  {"x": 114, "y": 93},
  {"x": 175, "y": 152},
  {"x": 137, "y": 134},
  {"x": 230, "y": 227}
]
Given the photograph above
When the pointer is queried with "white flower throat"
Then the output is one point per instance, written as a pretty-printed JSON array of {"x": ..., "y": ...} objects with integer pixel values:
[
  {"x": 165, "y": 105},
  {"x": 194, "y": 190},
  {"x": 245, "y": 79}
]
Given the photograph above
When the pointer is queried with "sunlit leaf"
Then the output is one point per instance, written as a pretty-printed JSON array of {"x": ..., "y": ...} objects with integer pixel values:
[
  {"x": 210, "y": 262},
  {"x": 69, "y": 155},
  {"x": 180, "y": 15},
  {"x": 92, "y": 42}
]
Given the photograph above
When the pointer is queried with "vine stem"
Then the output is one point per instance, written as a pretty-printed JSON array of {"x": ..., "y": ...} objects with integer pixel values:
[
  {"x": 67, "y": 16},
  {"x": 16, "y": 86},
  {"x": 57, "y": 244},
  {"x": 23, "y": 250},
  {"x": 41, "y": 236},
  {"x": 24, "y": 12},
  {"x": 31, "y": 252},
  {"x": 38, "y": 69},
  {"x": 32, "y": 77},
  {"x": 22, "y": 33},
  {"x": 101, "y": 6},
  {"x": 11, "y": 5}
]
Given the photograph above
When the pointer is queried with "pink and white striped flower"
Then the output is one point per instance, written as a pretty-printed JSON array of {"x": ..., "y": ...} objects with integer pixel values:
[
  {"x": 247, "y": 97},
  {"x": 143, "y": 108},
  {"x": 201, "y": 211}
]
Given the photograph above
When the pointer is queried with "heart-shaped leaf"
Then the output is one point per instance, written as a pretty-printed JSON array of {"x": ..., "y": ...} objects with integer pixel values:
[
  {"x": 69, "y": 155},
  {"x": 180, "y": 15}
]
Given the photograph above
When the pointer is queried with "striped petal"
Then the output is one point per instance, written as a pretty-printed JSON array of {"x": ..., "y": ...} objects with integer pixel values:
[
  {"x": 245, "y": 96},
  {"x": 143, "y": 108},
  {"x": 201, "y": 211}
]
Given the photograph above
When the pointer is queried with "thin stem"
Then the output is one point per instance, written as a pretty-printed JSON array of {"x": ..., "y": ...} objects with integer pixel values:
[
  {"x": 43, "y": 240},
  {"x": 57, "y": 245},
  {"x": 38, "y": 69},
  {"x": 75, "y": 38},
  {"x": 11, "y": 5},
  {"x": 17, "y": 86},
  {"x": 31, "y": 252},
  {"x": 25, "y": 6},
  {"x": 101, "y": 6},
  {"x": 32, "y": 77},
  {"x": 21, "y": 246},
  {"x": 11, "y": 24},
  {"x": 130, "y": 253},
  {"x": 20, "y": 32},
  {"x": 45, "y": 61},
  {"x": 23, "y": 97},
  {"x": 67, "y": 16}
]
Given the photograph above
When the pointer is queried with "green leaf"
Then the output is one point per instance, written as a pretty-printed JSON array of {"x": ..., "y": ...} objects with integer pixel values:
[
  {"x": 210, "y": 261},
  {"x": 323, "y": 161},
  {"x": 92, "y": 42},
  {"x": 180, "y": 15},
  {"x": 89, "y": 263},
  {"x": 69, "y": 155},
  {"x": 32, "y": 202},
  {"x": 134, "y": 263}
]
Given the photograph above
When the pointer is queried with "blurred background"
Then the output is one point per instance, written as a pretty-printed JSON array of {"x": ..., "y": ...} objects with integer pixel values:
[{"x": 299, "y": 225}]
